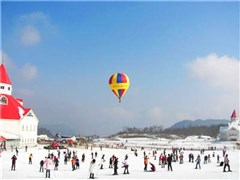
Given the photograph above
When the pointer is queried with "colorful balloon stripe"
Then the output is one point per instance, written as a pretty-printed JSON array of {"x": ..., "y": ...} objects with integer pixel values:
[{"x": 119, "y": 84}]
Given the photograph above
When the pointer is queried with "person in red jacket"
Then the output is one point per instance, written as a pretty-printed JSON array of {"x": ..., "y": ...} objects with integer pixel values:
[{"x": 160, "y": 159}]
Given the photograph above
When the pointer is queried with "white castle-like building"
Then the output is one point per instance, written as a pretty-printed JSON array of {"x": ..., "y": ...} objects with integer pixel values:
[
  {"x": 18, "y": 125},
  {"x": 231, "y": 131}
]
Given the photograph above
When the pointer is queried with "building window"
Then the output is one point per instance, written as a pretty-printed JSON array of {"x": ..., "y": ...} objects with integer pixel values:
[
  {"x": 9, "y": 88},
  {"x": 30, "y": 115},
  {"x": 2, "y": 87},
  {"x": 3, "y": 100}
]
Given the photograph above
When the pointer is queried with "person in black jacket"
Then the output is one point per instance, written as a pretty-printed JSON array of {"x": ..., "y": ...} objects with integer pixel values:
[
  {"x": 115, "y": 166},
  {"x": 41, "y": 166},
  {"x": 169, "y": 160},
  {"x": 14, "y": 159}
]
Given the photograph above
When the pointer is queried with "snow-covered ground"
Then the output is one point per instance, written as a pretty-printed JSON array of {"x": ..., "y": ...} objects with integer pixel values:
[{"x": 180, "y": 171}]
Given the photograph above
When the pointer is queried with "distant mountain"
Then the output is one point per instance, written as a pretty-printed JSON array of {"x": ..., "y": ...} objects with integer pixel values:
[
  {"x": 199, "y": 122},
  {"x": 59, "y": 128}
]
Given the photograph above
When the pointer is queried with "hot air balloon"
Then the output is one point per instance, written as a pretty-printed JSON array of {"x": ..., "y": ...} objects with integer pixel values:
[{"x": 119, "y": 84}]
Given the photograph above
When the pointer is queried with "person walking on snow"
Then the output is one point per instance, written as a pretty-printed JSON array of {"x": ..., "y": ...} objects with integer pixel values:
[
  {"x": 115, "y": 166},
  {"x": 145, "y": 163},
  {"x": 160, "y": 159},
  {"x": 169, "y": 160},
  {"x": 73, "y": 163},
  {"x": 226, "y": 164},
  {"x": 198, "y": 160},
  {"x": 14, "y": 159},
  {"x": 48, "y": 164},
  {"x": 125, "y": 165},
  {"x": 30, "y": 159},
  {"x": 41, "y": 166},
  {"x": 92, "y": 168},
  {"x": 102, "y": 161}
]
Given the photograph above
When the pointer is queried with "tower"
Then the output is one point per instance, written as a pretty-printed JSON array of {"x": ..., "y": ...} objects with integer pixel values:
[
  {"x": 234, "y": 116},
  {"x": 5, "y": 82}
]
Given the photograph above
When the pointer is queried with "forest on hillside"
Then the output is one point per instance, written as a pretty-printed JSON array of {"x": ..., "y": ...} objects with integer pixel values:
[{"x": 211, "y": 131}]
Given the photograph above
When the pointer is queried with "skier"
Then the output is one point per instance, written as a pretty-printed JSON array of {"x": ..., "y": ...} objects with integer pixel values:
[
  {"x": 14, "y": 159},
  {"x": 92, "y": 169}
]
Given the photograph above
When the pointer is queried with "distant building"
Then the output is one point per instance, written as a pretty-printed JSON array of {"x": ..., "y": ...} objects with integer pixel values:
[
  {"x": 18, "y": 124},
  {"x": 231, "y": 131}
]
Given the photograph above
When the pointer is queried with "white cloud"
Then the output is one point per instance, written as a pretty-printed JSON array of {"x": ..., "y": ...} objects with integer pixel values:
[
  {"x": 35, "y": 16},
  {"x": 30, "y": 36},
  {"x": 6, "y": 60},
  {"x": 220, "y": 72},
  {"x": 34, "y": 27},
  {"x": 28, "y": 72}
]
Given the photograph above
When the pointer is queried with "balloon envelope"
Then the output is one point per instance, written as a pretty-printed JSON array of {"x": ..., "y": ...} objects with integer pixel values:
[{"x": 119, "y": 84}]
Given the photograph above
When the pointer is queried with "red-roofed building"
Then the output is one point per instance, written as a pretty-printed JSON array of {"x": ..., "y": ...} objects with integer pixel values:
[
  {"x": 231, "y": 132},
  {"x": 234, "y": 115},
  {"x": 18, "y": 124}
]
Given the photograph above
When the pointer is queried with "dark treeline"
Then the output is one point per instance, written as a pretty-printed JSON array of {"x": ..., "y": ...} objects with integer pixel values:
[
  {"x": 44, "y": 131},
  {"x": 211, "y": 131}
]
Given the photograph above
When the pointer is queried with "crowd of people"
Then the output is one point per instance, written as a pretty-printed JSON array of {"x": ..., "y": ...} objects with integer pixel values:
[{"x": 99, "y": 163}]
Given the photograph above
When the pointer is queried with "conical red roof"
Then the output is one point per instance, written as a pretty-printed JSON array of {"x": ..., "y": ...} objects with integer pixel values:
[
  {"x": 234, "y": 114},
  {"x": 4, "y": 76}
]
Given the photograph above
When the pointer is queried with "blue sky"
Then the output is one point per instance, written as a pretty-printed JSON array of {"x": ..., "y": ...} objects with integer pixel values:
[{"x": 182, "y": 59}]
